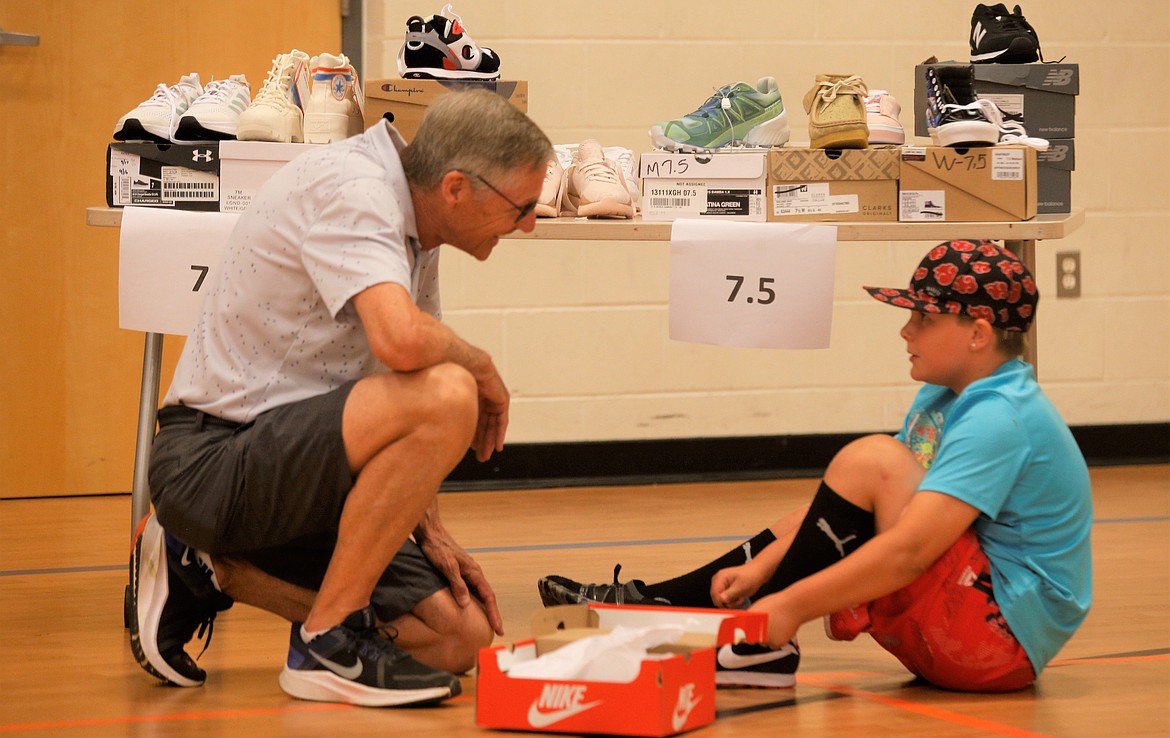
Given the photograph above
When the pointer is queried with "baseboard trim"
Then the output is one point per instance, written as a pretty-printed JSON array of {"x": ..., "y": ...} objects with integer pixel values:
[{"x": 667, "y": 461}]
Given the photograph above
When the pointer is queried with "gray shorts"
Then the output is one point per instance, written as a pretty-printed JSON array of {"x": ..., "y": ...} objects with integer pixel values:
[{"x": 271, "y": 491}]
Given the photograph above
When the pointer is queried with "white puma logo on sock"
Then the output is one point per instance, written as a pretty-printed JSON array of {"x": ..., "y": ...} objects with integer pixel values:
[
  {"x": 747, "y": 551},
  {"x": 838, "y": 542}
]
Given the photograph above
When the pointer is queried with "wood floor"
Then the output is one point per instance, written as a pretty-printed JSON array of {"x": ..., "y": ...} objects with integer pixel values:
[{"x": 66, "y": 668}]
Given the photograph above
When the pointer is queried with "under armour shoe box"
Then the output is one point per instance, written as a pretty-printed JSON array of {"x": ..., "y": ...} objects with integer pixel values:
[
  {"x": 245, "y": 165},
  {"x": 672, "y": 691},
  {"x": 1044, "y": 94},
  {"x": 720, "y": 185},
  {"x": 170, "y": 175},
  {"x": 404, "y": 101},
  {"x": 1054, "y": 169},
  {"x": 833, "y": 184},
  {"x": 988, "y": 183}
]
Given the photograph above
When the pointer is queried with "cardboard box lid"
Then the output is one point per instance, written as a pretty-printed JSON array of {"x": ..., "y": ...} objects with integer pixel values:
[
  {"x": 1059, "y": 79},
  {"x": 424, "y": 91},
  {"x": 829, "y": 165},
  {"x": 704, "y": 627},
  {"x": 201, "y": 156},
  {"x": 261, "y": 150},
  {"x": 717, "y": 165}
]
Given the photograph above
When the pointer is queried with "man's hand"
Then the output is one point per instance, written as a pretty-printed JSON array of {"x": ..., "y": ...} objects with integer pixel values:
[
  {"x": 464, "y": 574},
  {"x": 490, "y": 429}
]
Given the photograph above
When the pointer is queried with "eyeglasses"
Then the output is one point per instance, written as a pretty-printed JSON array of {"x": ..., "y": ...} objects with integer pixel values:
[{"x": 522, "y": 211}]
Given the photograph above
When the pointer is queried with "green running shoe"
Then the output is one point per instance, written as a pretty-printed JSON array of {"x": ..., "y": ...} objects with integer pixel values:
[{"x": 735, "y": 114}]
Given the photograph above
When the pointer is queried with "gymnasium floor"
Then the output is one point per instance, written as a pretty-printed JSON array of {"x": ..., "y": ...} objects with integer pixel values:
[{"x": 67, "y": 668}]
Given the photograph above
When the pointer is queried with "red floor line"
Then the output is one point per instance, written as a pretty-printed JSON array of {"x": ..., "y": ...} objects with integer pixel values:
[
  {"x": 937, "y": 713},
  {"x": 1113, "y": 660}
]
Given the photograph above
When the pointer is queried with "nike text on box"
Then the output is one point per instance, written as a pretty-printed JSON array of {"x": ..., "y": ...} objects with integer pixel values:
[
  {"x": 404, "y": 101},
  {"x": 718, "y": 186},
  {"x": 674, "y": 691},
  {"x": 179, "y": 176}
]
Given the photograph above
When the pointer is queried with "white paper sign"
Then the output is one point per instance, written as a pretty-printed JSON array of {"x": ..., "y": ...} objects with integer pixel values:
[
  {"x": 756, "y": 285},
  {"x": 166, "y": 259}
]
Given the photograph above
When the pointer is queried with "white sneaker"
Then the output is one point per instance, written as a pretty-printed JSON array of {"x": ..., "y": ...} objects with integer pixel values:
[
  {"x": 335, "y": 106},
  {"x": 157, "y": 118},
  {"x": 595, "y": 186},
  {"x": 1011, "y": 129},
  {"x": 881, "y": 115},
  {"x": 215, "y": 114},
  {"x": 549, "y": 204},
  {"x": 277, "y": 113}
]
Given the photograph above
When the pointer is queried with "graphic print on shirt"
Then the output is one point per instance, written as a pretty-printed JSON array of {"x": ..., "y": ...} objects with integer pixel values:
[{"x": 923, "y": 434}]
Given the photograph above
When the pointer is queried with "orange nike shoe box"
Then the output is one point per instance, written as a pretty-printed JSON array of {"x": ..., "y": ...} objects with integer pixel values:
[{"x": 672, "y": 693}]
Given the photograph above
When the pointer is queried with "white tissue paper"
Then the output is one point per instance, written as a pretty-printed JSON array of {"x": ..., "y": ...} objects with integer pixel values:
[{"x": 612, "y": 657}]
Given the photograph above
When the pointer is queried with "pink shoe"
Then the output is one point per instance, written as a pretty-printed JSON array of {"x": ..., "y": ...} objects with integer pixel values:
[
  {"x": 881, "y": 115},
  {"x": 549, "y": 204},
  {"x": 595, "y": 187}
]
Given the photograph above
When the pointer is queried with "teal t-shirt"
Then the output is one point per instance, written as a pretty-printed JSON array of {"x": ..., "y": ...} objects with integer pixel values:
[{"x": 1001, "y": 447}]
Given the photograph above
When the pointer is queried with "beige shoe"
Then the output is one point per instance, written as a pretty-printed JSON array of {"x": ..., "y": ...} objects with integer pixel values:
[
  {"x": 836, "y": 112},
  {"x": 549, "y": 204},
  {"x": 595, "y": 186},
  {"x": 334, "y": 109}
]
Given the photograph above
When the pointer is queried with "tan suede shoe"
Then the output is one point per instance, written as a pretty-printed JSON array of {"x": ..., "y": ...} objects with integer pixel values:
[{"x": 836, "y": 112}]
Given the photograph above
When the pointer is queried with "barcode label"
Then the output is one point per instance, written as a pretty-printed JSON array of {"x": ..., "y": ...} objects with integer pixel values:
[
  {"x": 189, "y": 191},
  {"x": 669, "y": 202}
]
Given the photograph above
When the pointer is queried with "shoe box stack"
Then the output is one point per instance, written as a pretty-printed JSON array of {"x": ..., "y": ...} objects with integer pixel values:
[
  {"x": 191, "y": 147},
  {"x": 671, "y": 690}
]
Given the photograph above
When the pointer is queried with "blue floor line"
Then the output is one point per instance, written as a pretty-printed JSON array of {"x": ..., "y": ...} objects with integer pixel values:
[{"x": 540, "y": 547}]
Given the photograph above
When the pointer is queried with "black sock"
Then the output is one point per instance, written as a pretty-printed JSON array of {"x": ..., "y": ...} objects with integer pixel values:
[
  {"x": 694, "y": 588},
  {"x": 833, "y": 528}
]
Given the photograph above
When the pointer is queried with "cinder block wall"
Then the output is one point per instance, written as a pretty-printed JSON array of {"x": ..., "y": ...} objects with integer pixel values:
[{"x": 579, "y": 329}]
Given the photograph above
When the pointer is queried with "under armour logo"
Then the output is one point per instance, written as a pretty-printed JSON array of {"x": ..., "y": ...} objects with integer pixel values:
[
  {"x": 201, "y": 155},
  {"x": 838, "y": 542},
  {"x": 1058, "y": 78}
]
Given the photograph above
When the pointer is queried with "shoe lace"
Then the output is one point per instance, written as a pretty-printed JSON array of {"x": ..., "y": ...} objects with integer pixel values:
[
  {"x": 852, "y": 85},
  {"x": 272, "y": 92},
  {"x": 598, "y": 170},
  {"x": 217, "y": 89},
  {"x": 163, "y": 95},
  {"x": 376, "y": 643},
  {"x": 1011, "y": 130}
]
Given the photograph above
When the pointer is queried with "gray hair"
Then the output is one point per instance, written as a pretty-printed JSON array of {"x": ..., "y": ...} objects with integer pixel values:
[{"x": 474, "y": 131}]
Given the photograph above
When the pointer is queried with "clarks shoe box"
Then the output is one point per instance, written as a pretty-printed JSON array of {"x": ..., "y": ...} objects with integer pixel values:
[
  {"x": 245, "y": 165},
  {"x": 1054, "y": 169},
  {"x": 1044, "y": 94},
  {"x": 722, "y": 185},
  {"x": 833, "y": 184},
  {"x": 404, "y": 101},
  {"x": 673, "y": 692},
  {"x": 989, "y": 183},
  {"x": 170, "y": 175}
]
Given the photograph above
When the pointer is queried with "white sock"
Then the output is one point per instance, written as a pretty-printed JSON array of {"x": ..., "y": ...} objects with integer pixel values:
[{"x": 307, "y": 635}]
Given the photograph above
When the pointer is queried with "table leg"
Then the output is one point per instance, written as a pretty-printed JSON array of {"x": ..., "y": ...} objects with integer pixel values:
[{"x": 147, "y": 410}]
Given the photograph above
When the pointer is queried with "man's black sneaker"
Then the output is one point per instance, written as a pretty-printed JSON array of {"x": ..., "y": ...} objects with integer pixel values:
[
  {"x": 955, "y": 116},
  {"x": 754, "y": 665},
  {"x": 171, "y": 598},
  {"x": 357, "y": 663},
  {"x": 1000, "y": 37},
  {"x": 555, "y": 590}
]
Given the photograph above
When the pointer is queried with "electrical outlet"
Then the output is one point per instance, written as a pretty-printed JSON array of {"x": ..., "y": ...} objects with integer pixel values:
[{"x": 1068, "y": 274}]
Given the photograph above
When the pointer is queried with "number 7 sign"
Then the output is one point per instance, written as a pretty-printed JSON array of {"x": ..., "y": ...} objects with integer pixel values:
[{"x": 754, "y": 285}]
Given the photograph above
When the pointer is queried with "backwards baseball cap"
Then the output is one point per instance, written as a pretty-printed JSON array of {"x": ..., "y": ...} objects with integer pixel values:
[{"x": 974, "y": 278}]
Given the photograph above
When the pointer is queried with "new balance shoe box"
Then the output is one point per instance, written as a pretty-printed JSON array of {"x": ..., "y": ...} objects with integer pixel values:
[
  {"x": 180, "y": 176},
  {"x": 1044, "y": 94},
  {"x": 245, "y": 165},
  {"x": 1054, "y": 169},
  {"x": 721, "y": 185},
  {"x": 673, "y": 692},
  {"x": 404, "y": 101},
  {"x": 833, "y": 184},
  {"x": 988, "y": 183}
]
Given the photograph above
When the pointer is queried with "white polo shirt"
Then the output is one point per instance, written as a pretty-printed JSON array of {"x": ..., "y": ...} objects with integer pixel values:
[{"x": 277, "y": 324}]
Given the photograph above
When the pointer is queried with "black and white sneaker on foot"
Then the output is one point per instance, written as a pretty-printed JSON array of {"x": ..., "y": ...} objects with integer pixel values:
[
  {"x": 1000, "y": 37},
  {"x": 172, "y": 597},
  {"x": 357, "y": 663},
  {"x": 557, "y": 590},
  {"x": 757, "y": 665}
]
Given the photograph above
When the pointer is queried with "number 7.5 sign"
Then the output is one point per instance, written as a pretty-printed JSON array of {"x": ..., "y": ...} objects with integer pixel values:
[{"x": 756, "y": 285}]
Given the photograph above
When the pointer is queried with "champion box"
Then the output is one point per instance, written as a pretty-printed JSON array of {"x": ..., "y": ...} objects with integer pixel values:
[
  {"x": 987, "y": 183},
  {"x": 833, "y": 184},
  {"x": 723, "y": 185},
  {"x": 673, "y": 692},
  {"x": 404, "y": 101},
  {"x": 180, "y": 176}
]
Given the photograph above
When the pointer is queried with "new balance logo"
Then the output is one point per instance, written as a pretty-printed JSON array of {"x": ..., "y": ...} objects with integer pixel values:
[
  {"x": 1058, "y": 78},
  {"x": 977, "y": 34},
  {"x": 558, "y": 702},
  {"x": 838, "y": 542},
  {"x": 198, "y": 155}
]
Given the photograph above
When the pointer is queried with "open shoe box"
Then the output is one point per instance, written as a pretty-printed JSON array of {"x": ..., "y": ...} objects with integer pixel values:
[{"x": 674, "y": 691}]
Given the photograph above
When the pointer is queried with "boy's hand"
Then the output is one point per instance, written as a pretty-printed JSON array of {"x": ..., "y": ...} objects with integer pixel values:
[{"x": 729, "y": 587}]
